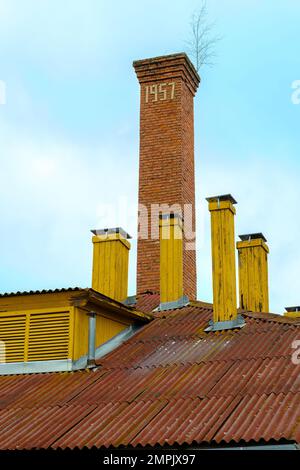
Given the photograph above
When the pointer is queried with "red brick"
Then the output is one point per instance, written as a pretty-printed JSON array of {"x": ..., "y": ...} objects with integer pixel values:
[{"x": 166, "y": 168}]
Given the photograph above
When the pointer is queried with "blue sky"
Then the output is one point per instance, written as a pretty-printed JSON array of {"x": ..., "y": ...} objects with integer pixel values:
[{"x": 69, "y": 131}]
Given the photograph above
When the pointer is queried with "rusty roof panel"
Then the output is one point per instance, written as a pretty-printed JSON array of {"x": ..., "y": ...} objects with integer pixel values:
[
  {"x": 187, "y": 421},
  {"x": 183, "y": 421},
  {"x": 44, "y": 389},
  {"x": 118, "y": 426},
  {"x": 186, "y": 343},
  {"x": 147, "y": 302},
  {"x": 170, "y": 383},
  {"x": 23, "y": 428},
  {"x": 264, "y": 417}
]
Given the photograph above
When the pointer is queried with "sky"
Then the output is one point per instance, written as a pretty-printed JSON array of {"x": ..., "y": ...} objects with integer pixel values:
[{"x": 69, "y": 131}]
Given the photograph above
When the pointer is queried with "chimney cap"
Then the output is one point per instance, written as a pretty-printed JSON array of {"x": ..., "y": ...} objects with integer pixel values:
[
  {"x": 167, "y": 58},
  {"x": 293, "y": 309},
  {"x": 168, "y": 66},
  {"x": 107, "y": 231},
  {"x": 223, "y": 197},
  {"x": 253, "y": 236}
]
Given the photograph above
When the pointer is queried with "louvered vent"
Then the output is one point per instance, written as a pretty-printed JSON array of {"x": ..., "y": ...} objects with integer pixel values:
[
  {"x": 12, "y": 333},
  {"x": 48, "y": 336},
  {"x": 36, "y": 336}
]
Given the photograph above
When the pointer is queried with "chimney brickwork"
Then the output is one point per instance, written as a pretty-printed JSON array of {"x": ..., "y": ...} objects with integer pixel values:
[{"x": 166, "y": 168}]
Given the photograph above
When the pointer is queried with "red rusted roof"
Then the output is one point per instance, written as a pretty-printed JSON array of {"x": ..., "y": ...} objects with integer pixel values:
[
  {"x": 171, "y": 383},
  {"x": 147, "y": 302}
]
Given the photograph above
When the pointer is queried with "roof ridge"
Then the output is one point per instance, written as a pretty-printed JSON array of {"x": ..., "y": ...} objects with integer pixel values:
[
  {"x": 43, "y": 291},
  {"x": 272, "y": 317}
]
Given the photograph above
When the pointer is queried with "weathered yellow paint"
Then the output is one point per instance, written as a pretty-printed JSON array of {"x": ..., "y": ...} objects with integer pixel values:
[
  {"x": 171, "y": 258},
  {"x": 81, "y": 332},
  {"x": 54, "y": 325},
  {"x": 110, "y": 265},
  {"x": 223, "y": 258},
  {"x": 38, "y": 301},
  {"x": 253, "y": 275},
  {"x": 52, "y": 334},
  {"x": 71, "y": 333},
  {"x": 106, "y": 328},
  {"x": 37, "y": 335},
  {"x": 293, "y": 312}
]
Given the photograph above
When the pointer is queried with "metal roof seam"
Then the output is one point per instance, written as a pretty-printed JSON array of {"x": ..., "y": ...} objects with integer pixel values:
[
  {"x": 87, "y": 386},
  {"x": 73, "y": 426},
  {"x": 227, "y": 419}
]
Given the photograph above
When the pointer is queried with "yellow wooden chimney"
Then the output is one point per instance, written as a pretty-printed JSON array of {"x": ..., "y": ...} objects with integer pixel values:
[
  {"x": 223, "y": 263},
  {"x": 110, "y": 262},
  {"x": 171, "y": 260},
  {"x": 253, "y": 272}
]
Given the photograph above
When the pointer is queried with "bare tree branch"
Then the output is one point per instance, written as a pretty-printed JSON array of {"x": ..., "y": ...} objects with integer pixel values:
[{"x": 202, "y": 43}]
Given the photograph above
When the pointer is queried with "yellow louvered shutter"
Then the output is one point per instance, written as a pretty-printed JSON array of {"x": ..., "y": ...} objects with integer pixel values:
[
  {"x": 48, "y": 336},
  {"x": 13, "y": 333}
]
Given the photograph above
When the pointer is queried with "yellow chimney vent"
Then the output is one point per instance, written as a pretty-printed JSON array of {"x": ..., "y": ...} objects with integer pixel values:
[
  {"x": 110, "y": 262},
  {"x": 292, "y": 312},
  {"x": 223, "y": 263},
  {"x": 171, "y": 261},
  {"x": 253, "y": 272}
]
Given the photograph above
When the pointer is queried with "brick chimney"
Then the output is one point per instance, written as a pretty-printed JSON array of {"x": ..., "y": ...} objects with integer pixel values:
[{"x": 166, "y": 169}]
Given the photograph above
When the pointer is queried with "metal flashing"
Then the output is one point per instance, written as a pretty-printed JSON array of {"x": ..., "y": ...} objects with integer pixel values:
[
  {"x": 130, "y": 301},
  {"x": 239, "y": 322},
  {"x": 252, "y": 447},
  {"x": 253, "y": 236},
  {"x": 110, "y": 231},
  {"x": 91, "y": 340},
  {"x": 116, "y": 341},
  {"x": 107, "y": 347},
  {"x": 182, "y": 302},
  {"x": 223, "y": 197},
  {"x": 34, "y": 367}
]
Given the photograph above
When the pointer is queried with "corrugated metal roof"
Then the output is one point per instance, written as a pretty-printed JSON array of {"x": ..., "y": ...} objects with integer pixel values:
[
  {"x": 147, "y": 302},
  {"x": 170, "y": 384},
  {"x": 43, "y": 291}
]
